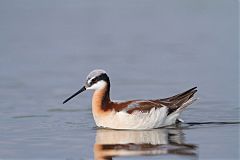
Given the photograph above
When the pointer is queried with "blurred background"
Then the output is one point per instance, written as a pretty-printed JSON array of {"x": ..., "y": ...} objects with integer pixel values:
[{"x": 150, "y": 49}]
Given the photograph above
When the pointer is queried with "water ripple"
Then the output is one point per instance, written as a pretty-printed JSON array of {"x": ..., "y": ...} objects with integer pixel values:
[
  {"x": 30, "y": 116},
  {"x": 64, "y": 110}
]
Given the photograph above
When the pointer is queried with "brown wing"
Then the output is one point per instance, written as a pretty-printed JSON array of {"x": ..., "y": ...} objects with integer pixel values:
[
  {"x": 142, "y": 105},
  {"x": 173, "y": 103}
]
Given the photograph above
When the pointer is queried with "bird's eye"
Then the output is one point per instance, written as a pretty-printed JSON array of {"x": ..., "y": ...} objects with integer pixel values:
[{"x": 94, "y": 80}]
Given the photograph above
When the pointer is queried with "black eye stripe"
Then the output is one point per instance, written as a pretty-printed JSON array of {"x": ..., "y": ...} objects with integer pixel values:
[
  {"x": 100, "y": 77},
  {"x": 94, "y": 80}
]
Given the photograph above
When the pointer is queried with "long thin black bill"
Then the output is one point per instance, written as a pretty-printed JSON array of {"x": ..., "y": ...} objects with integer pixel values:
[{"x": 81, "y": 90}]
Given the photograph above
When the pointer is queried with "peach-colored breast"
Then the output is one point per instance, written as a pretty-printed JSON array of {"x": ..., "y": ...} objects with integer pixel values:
[{"x": 100, "y": 101}]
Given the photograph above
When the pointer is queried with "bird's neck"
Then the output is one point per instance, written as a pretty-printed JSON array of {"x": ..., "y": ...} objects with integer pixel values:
[{"x": 101, "y": 100}]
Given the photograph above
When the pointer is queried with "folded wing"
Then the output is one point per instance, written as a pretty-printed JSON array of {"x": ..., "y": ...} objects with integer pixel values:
[{"x": 172, "y": 103}]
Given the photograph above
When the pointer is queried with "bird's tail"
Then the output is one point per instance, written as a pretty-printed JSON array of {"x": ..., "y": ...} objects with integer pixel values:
[{"x": 182, "y": 100}]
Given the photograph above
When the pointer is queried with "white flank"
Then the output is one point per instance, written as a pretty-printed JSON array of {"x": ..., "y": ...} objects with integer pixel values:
[{"x": 155, "y": 118}]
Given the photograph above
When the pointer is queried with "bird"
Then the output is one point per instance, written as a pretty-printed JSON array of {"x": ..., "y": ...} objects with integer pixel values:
[{"x": 139, "y": 114}]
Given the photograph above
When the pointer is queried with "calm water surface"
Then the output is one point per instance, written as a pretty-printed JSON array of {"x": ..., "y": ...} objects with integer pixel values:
[{"x": 151, "y": 49}]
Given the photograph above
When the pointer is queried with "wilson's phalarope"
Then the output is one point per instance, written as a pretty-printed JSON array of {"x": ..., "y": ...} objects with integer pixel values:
[{"x": 133, "y": 114}]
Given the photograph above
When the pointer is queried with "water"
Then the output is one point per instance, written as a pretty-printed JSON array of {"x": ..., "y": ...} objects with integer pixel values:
[{"x": 150, "y": 49}]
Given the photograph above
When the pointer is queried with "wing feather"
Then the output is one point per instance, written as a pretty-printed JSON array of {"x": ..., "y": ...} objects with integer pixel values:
[{"x": 172, "y": 103}]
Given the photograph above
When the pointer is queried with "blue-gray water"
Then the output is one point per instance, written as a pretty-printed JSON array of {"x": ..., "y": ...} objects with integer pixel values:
[{"x": 150, "y": 49}]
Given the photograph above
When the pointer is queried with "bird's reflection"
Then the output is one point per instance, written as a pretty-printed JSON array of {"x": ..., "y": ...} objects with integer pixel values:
[{"x": 114, "y": 143}]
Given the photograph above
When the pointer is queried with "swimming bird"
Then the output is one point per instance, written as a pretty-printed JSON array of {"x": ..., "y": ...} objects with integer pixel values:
[{"x": 132, "y": 114}]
